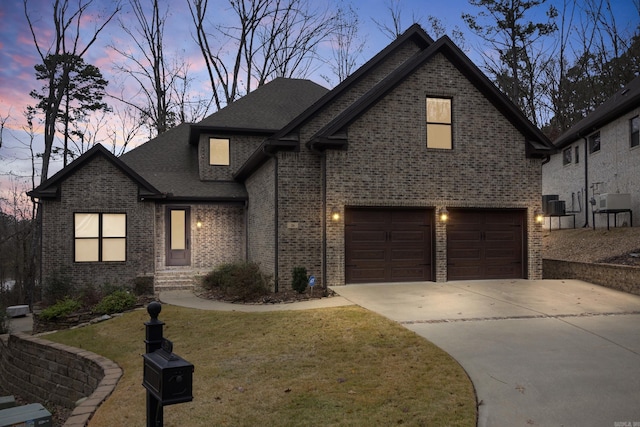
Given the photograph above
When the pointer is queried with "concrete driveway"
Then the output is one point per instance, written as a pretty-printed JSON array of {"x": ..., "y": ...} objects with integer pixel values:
[{"x": 540, "y": 353}]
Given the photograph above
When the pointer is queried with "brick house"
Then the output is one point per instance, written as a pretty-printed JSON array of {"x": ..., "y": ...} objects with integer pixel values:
[
  {"x": 350, "y": 183},
  {"x": 598, "y": 155}
]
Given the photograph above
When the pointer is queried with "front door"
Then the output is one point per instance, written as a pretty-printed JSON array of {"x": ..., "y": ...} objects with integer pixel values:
[{"x": 178, "y": 236}]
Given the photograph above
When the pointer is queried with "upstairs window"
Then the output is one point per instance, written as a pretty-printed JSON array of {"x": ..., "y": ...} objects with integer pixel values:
[
  {"x": 100, "y": 237},
  {"x": 577, "y": 154},
  {"x": 594, "y": 143},
  {"x": 635, "y": 131},
  {"x": 439, "y": 133},
  {"x": 566, "y": 156},
  {"x": 218, "y": 152}
]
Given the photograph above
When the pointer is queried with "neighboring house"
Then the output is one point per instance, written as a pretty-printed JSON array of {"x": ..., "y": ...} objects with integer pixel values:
[
  {"x": 349, "y": 183},
  {"x": 598, "y": 155}
]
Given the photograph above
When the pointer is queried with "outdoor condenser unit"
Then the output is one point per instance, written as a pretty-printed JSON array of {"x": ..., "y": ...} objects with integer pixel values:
[
  {"x": 556, "y": 207},
  {"x": 613, "y": 201},
  {"x": 546, "y": 199}
]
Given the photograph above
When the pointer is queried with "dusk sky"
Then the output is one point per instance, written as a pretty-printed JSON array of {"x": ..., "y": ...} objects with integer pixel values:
[{"x": 18, "y": 54}]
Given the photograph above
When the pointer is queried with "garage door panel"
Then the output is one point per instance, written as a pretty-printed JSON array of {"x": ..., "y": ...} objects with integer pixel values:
[
  {"x": 368, "y": 255},
  {"x": 485, "y": 244},
  {"x": 399, "y": 240}
]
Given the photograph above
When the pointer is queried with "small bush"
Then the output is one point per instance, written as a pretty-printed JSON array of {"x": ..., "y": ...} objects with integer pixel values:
[
  {"x": 4, "y": 320},
  {"x": 300, "y": 280},
  {"x": 242, "y": 281},
  {"x": 57, "y": 287},
  {"x": 62, "y": 308},
  {"x": 143, "y": 285},
  {"x": 116, "y": 302}
]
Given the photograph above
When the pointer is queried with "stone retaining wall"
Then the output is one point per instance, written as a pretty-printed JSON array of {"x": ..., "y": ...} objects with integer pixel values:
[
  {"x": 43, "y": 371},
  {"x": 620, "y": 277}
]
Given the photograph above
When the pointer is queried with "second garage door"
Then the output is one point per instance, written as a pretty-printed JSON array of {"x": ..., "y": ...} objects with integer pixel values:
[
  {"x": 486, "y": 244},
  {"x": 388, "y": 245}
]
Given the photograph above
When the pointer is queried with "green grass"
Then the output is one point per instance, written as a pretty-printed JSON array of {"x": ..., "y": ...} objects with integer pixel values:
[{"x": 331, "y": 367}]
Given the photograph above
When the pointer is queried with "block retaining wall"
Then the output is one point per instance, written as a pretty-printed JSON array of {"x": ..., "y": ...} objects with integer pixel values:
[
  {"x": 620, "y": 277},
  {"x": 44, "y": 371}
]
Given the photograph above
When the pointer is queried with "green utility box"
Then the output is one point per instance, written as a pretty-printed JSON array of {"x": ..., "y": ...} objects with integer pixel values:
[{"x": 33, "y": 415}]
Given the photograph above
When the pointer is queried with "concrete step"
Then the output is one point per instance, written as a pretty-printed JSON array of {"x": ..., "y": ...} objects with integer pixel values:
[{"x": 170, "y": 280}]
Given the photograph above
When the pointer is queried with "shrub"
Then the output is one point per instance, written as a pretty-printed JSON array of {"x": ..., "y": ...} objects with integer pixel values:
[
  {"x": 116, "y": 302},
  {"x": 242, "y": 281},
  {"x": 143, "y": 285},
  {"x": 4, "y": 320},
  {"x": 63, "y": 307},
  {"x": 57, "y": 287},
  {"x": 300, "y": 279}
]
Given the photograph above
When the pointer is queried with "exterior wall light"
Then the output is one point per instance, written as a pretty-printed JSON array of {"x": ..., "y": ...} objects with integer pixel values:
[
  {"x": 335, "y": 214},
  {"x": 198, "y": 223},
  {"x": 539, "y": 217},
  {"x": 443, "y": 214}
]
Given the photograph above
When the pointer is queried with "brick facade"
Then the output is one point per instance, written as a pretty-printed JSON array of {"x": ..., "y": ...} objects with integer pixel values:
[
  {"x": 387, "y": 164},
  {"x": 97, "y": 187}
]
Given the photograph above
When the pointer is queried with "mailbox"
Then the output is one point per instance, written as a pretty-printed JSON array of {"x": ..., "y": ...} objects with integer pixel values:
[{"x": 167, "y": 376}]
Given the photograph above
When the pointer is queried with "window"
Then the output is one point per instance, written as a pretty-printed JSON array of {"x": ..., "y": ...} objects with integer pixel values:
[
  {"x": 439, "y": 123},
  {"x": 594, "y": 143},
  {"x": 100, "y": 237},
  {"x": 566, "y": 156},
  {"x": 218, "y": 152},
  {"x": 635, "y": 131},
  {"x": 577, "y": 154}
]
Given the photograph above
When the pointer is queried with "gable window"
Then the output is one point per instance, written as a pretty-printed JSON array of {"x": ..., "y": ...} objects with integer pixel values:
[
  {"x": 635, "y": 131},
  {"x": 566, "y": 156},
  {"x": 100, "y": 237},
  {"x": 218, "y": 152},
  {"x": 594, "y": 143},
  {"x": 439, "y": 123}
]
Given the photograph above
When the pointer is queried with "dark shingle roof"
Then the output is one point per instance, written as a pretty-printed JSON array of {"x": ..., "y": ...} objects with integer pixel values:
[
  {"x": 171, "y": 165},
  {"x": 271, "y": 106},
  {"x": 620, "y": 103}
]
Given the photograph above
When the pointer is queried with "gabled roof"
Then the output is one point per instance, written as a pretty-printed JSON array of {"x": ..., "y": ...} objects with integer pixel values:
[
  {"x": 264, "y": 110},
  {"x": 50, "y": 189},
  {"x": 170, "y": 163},
  {"x": 623, "y": 101},
  {"x": 333, "y": 135},
  {"x": 283, "y": 139}
]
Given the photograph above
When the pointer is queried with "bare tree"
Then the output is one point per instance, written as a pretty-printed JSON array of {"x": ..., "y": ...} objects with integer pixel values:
[
  {"x": 346, "y": 44},
  {"x": 124, "y": 128},
  {"x": 505, "y": 25},
  {"x": 263, "y": 40},
  {"x": 396, "y": 27},
  {"x": 66, "y": 44}
]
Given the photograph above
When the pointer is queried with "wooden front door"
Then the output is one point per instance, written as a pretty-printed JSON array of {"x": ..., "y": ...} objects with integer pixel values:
[{"x": 178, "y": 235}]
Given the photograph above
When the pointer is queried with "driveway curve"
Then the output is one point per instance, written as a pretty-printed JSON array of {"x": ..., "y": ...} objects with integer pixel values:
[{"x": 539, "y": 353}]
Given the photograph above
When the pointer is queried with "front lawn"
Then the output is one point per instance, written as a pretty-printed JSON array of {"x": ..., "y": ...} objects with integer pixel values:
[{"x": 332, "y": 367}]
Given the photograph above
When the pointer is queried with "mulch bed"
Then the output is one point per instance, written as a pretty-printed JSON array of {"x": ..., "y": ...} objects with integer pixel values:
[
  {"x": 281, "y": 297},
  {"x": 632, "y": 259}
]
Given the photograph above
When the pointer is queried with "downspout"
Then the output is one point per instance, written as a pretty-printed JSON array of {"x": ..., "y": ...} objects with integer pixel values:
[
  {"x": 246, "y": 230},
  {"x": 323, "y": 168},
  {"x": 586, "y": 183},
  {"x": 275, "y": 216}
]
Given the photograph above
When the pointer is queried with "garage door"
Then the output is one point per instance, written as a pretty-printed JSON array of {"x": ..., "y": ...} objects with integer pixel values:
[
  {"x": 388, "y": 245},
  {"x": 486, "y": 244}
]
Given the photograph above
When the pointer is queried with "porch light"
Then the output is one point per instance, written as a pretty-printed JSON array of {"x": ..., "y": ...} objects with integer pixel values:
[
  {"x": 198, "y": 223},
  {"x": 443, "y": 214},
  {"x": 539, "y": 217},
  {"x": 335, "y": 214}
]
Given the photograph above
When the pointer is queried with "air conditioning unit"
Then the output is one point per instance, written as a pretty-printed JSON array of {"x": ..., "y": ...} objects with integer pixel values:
[
  {"x": 556, "y": 207},
  {"x": 546, "y": 198},
  {"x": 613, "y": 201}
]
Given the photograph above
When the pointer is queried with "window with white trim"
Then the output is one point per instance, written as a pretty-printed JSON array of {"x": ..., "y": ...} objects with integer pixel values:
[
  {"x": 100, "y": 237},
  {"x": 594, "y": 143}
]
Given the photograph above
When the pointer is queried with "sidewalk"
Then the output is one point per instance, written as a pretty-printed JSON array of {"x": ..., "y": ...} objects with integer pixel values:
[{"x": 189, "y": 299}]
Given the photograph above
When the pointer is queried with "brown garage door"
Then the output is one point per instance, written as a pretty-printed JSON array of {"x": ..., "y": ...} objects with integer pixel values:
[
  {"x": 388, "y": 245},
  {"x": 486, "y": 244}
]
